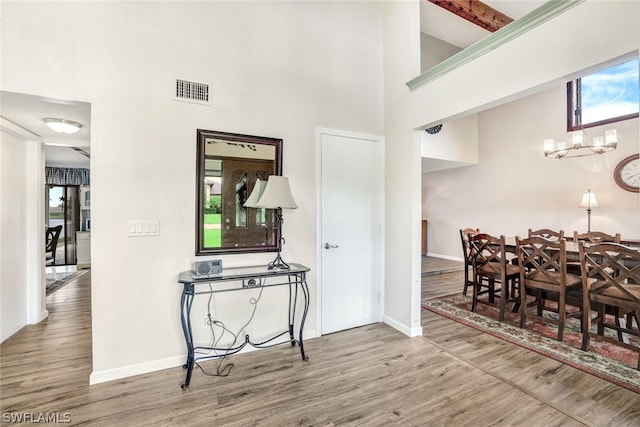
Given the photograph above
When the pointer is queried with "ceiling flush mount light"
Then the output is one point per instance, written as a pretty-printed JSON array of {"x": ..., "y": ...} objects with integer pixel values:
[
  {"x": 62, "y": 125},
  {"x": 578, "y": 147}
]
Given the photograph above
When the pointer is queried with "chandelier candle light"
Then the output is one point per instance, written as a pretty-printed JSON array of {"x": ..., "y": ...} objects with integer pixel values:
[
  {"x": 273, "y": 194},
  {"x": 588, "y": 201},
  {"x": 599, "y": 145}
]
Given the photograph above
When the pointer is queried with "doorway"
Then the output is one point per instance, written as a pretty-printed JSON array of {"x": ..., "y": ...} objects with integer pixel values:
[
  {"x": 63, "y": 208},
  {"x": 350, "y": 230}
]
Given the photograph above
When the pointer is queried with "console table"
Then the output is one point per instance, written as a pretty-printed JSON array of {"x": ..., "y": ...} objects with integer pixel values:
[{"x": 238, "y": 279}]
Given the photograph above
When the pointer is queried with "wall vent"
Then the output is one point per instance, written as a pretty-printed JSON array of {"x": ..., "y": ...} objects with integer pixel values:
[{"x": 192, "y": 92}]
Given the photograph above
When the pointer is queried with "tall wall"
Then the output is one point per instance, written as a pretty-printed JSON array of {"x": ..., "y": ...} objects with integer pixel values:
[
  {"x": 402, "y": 155},
  {"x": 276, "y": 70}
]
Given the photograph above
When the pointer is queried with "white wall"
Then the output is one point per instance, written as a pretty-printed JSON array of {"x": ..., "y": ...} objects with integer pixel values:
[
  {"x": 402, "y": 155},
  {"x": 514, "y": 187},
  {"x": 276, "y": 69},
  {"x": 455, "y": 145},
  {"x": 13, "y": 296},
  {"x": 433, "y": 51}
]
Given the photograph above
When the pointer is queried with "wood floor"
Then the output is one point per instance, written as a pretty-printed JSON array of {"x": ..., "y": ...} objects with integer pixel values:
[{"x": 368, "y": 376}]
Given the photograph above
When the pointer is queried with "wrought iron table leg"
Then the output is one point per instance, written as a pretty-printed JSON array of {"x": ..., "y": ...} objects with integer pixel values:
[
  {"x": 186, "y": 302},
  {"x": 305, "y": 292}
]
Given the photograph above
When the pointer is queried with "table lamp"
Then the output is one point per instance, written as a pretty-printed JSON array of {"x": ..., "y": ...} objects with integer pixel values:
[
  {"x": 588, "y": 201},
  {"x": 273, "y": 194}
]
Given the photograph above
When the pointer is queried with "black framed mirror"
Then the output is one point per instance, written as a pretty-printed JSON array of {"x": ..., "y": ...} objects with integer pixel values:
[{"x": 228, "y": 166}]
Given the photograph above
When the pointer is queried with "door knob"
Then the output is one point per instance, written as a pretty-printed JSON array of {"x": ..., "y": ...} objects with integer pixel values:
[{"x": 328, "y": 246}]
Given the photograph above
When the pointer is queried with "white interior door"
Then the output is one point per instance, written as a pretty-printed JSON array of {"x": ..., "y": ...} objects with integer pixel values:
[{"x": 352, "y": 194}]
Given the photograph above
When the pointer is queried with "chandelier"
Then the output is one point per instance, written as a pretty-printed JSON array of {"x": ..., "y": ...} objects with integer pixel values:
[{"x": 578, "y": 147}]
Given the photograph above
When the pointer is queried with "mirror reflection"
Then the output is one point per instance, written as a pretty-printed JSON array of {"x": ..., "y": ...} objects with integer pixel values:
[{"x": 229, "y": 165}]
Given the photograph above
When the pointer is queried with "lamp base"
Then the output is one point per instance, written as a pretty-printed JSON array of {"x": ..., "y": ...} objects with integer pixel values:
[{"x": 278, "y": 264}]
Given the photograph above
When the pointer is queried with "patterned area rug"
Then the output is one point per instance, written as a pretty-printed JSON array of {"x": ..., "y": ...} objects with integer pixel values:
[
  {"x": 63, "y": 279},
  {"x": 605, "y": 360}
]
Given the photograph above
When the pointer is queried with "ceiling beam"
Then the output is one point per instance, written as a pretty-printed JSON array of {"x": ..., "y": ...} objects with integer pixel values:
[{"x": 477, "y": 12}]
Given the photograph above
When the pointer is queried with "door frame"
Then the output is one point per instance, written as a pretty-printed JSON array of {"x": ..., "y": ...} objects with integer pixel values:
[{"x": 320, "y": 131}]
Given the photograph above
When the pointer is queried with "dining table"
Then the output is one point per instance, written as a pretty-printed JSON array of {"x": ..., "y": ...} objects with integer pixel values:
[{"x": 572, "y": 247}]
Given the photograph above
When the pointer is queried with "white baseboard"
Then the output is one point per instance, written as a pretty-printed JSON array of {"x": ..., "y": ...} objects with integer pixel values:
[
  {"x": 452, "y": 258},
  {"x": 410, "y": 332},
  {"x": 97, "y": 377}
]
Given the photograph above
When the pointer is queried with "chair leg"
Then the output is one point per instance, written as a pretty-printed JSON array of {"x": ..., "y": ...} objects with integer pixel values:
[
  {"x": 562, "y": 310},
  {"x": 523, "y": 306},
  {"x": 616, "y": 315},
  {"x": 586, "y": 320},
  {"x": 492, "y": 291},
  {"x": 466, "y": 279},
  {"x": 474, "y": 298},
  {"x": 504, "y": 292},
  {"x": 600, "y": 319}
]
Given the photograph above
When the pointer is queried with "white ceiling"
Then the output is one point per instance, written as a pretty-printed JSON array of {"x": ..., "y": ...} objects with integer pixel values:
[
  {"x": 444, "y": 25},
  {"x": 28, "y": 112}
]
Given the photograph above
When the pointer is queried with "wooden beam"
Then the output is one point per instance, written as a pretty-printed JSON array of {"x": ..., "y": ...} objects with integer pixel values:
[{"x": 476, "y": 12}]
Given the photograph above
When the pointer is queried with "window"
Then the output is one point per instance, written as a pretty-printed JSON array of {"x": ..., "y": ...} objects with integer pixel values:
[{"x": 606, "y": 96}]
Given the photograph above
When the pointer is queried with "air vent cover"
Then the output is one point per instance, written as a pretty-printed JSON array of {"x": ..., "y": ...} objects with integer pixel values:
[{"x": 192, "y": 92}]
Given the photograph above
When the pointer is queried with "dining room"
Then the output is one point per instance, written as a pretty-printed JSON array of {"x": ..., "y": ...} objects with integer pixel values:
[
  {"x": 511, "y": 180},
  {"x": 510, "y": 185}
]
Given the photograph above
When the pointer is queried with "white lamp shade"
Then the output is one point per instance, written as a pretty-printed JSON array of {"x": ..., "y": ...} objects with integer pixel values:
[
  {"x": 277, "y": 194},
  {"x": 588, "y": 200},
  {"x": 258, "y": 189}
]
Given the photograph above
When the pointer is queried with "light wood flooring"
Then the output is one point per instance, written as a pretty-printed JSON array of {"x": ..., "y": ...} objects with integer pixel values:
[{"x": 368, "y": 376}]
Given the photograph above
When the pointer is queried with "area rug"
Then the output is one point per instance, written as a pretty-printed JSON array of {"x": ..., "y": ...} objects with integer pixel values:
[
  {"x": 63, "y": 279},
  {"x": 604, "y": 360}
]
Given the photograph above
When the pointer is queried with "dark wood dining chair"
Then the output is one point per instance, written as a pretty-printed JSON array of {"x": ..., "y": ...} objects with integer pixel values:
[
  {"x": 573, "y": 267},
  {"x": 488, "y": 259},
  {"x": 543, "y": 272},
  {"x": 610, "y": 278},
  {"x": 51, "y": 244},
  {"x": 466, "y": 254},
  {"x": 547, "y": 233},
  {"x": 596, "y": 237},
  {"x": 543, "y": 232}
]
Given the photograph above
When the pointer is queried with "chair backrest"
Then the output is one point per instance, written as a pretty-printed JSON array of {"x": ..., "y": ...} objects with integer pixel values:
[
  {"x": 595, "y": 237},
  {"x": 545, "y": 260},
  {"x": 487, "y": 253},
  {"x": 464, "y": 238},
  {"x": 547, "y": 233},
  {"x": 51, "y": 241},
  {"x": 613, "y": 272}
]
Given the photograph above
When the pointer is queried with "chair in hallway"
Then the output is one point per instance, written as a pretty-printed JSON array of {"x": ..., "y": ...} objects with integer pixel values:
[
  {"x": 488, "y": 258},
  {"x": 51, "y": 244},
  {"x": 543, "y": 272},
  {"x": 466, "y": 254},
  {"x": 610, "y": 278}
]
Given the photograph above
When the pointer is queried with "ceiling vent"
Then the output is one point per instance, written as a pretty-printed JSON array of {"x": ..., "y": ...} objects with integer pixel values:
[{"x": 197, "y": 93}]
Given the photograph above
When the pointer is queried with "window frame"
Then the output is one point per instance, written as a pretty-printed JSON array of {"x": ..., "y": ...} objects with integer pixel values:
[{"x": 574, "y": 105}]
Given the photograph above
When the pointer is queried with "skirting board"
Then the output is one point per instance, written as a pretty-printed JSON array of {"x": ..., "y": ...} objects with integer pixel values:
[
  {"x": 410, "y": 332},
  {"x": 98, "y": 377},
  {"x": 451, "y": 258}
]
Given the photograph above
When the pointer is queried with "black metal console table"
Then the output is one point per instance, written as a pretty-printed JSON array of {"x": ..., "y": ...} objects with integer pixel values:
[{"x": 244, "y": 278}]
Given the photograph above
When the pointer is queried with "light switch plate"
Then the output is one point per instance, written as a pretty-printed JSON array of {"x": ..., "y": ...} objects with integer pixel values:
[{"x": 143, "y": 228}]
